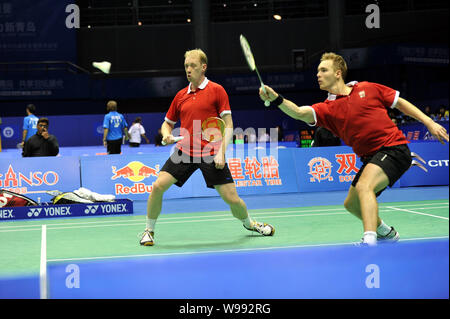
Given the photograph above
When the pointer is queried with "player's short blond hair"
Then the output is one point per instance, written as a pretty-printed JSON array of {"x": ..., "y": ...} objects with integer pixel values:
[
  {"x": 199, "y": 52},
  {"x": 338, "y": 62}
]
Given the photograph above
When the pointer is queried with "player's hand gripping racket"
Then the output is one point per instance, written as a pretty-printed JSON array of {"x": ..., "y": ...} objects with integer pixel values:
[
  {"x": 251, "y": 62},
  {"x": 213, "y": 130}
]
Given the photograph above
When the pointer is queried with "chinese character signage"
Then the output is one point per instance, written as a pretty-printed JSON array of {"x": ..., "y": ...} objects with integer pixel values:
[{"x": 36, "y": 31}]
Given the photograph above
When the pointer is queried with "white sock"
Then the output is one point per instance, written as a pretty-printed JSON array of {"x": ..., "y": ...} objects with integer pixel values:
[
  {"x": 247, "y": 222},
  {"x": 150, "y": 224},
  {"x": 383, "y": 229},
  {"x": 370, "y": 237}
]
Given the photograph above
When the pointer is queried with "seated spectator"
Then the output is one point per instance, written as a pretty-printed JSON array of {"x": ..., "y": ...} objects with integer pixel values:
[
  {"x": 42, "y": 143},
  {"x": 441, "y": 116},
  {"x": 394, "y": 120},
  {"x": 428, "y": 112}
]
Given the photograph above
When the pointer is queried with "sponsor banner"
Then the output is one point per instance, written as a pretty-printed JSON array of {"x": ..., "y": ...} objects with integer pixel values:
[
  {"x": 263, "y": 170},
  {"x": 254, "y": 172},
  {"x": 326, "y": 168},
  {"x": 416, "y": 131},
  {"x": 126, "y": 176},
  {"x": 22, "y": 175},
  {"x": 118, "y": 207},
  {"x": 435, "y": 156}
]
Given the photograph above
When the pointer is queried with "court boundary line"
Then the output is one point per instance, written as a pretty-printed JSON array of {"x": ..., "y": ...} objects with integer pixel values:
[
  {"x": 182, "y": 219},
  {"x": 413, "y": 212},
  {"x": 235, "y": 250},
  {"x": 43, "y": 284}
]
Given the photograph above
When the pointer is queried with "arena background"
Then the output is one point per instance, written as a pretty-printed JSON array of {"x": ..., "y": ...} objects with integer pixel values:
[{"x": 46, "y": 54}]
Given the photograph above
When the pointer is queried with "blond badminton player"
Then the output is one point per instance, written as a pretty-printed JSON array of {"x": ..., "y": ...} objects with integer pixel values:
[
  {"x": 200, "y": 106},
  {"x": 357, "y": 113}
]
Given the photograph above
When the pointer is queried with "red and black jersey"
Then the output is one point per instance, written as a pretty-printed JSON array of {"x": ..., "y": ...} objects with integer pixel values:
[
  {"x": 361, "y": 118},
  {"x": 193, "y": 107}
]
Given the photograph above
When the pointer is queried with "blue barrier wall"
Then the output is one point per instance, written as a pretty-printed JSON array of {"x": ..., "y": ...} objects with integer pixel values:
[
  {"x": 255, "y": 169},
  {"x": 87, "y": 130}
]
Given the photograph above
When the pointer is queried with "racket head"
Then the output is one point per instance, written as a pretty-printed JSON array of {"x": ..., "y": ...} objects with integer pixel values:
[
  {"x": 213, "y": 129},
  {"x": 247, "y": 52}
]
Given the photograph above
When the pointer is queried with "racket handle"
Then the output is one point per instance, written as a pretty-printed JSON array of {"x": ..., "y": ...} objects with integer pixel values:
[
  {"x": 266, "y": 102},
  {"x": 175, "y": 139}
]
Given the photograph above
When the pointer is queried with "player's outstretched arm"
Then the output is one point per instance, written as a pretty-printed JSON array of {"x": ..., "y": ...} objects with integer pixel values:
[
  {"x": 434, "y": 128},
  {"x": 303, "y": 113}
]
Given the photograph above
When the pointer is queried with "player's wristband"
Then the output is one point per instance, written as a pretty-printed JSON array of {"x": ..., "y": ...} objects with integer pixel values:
[{"x": 278, "y": 101}]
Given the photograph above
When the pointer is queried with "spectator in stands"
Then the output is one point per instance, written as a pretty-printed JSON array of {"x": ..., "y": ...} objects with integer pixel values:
[
  {"x": 42, "y": 143},
  {"x": 394, "y": 120},
  {"x": 251, "y": 137},
  {"x": 429, "y": 113},
  {"x": 158, "y": 138},
  {"x": 29, "y": 124},
  {"x": 114, "y": 129},
  {"x": 442, "y": 115},
  {"x": 263, "y": 137},
  {"x": 280, "y": 133},
  {"x": 323, "y": 137},
  {"x": 137, "y": 132}
]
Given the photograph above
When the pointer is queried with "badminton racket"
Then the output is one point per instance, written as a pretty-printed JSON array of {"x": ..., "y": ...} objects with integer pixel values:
[
  {"x": 251, "y": 62},
  {"x": 213, "y": 129},
  {"x": 53, "y": 193}
]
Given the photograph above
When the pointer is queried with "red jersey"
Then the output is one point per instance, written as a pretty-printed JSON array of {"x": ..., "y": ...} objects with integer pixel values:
[
  {"x": 361, "y": 118},
  {"x": 192, "y": 108}
]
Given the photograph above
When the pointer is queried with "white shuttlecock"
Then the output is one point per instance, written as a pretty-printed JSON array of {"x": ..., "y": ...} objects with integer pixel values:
[{"x": 104, "y": 66}]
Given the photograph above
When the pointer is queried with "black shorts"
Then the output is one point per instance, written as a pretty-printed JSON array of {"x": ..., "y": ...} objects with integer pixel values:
[
  {"x": 182, "y": 166},
  {"x": 393, "y": 160},
  {"x": 114, "y": 146}
]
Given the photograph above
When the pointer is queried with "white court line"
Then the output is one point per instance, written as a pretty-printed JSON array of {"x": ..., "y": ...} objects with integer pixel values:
[
  {"x": 184, "y": 219},
  {"x": 227, "y": 250},
  {"x": 43, "y": 265},
  {"x": 413, "y": 212},
  {"x": 252, "y": 213}
]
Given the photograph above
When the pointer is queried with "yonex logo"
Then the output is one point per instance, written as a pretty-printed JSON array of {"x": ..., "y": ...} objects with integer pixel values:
[
  {"x": 34, "y": 212},
  {"x": 91, "y": 209}
]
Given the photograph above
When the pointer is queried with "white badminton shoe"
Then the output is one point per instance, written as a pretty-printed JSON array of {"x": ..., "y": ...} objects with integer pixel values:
[
  {"x": 262, "y": 228},
  {"x": 392, "y": 237},
  {"x": 147, "y": 238}
]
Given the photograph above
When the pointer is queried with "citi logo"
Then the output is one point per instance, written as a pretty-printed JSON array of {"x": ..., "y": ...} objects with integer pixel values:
[
  {"x": 34, "y": 212},
  {"x": 436, "y": 163},
  {"x": 91, "y": 209}
]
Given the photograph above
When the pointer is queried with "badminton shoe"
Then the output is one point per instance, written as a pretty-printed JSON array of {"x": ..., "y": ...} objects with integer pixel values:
[
  {"x": 391, "y": 237},
  {"x": 147, "y": 238},
  {"x": 262, "y": 228}
]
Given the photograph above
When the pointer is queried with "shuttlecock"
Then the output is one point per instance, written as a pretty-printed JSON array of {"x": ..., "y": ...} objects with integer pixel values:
[{"x": 102, "y": 66}]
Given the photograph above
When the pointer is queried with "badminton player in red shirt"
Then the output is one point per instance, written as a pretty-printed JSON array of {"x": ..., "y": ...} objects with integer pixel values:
[
  {"x": 357, "y": 113},
  {"x": 195, "y": 103}
]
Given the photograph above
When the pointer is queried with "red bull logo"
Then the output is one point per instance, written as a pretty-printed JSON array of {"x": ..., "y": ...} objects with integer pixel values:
[{"x": 136, "y": 172}]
